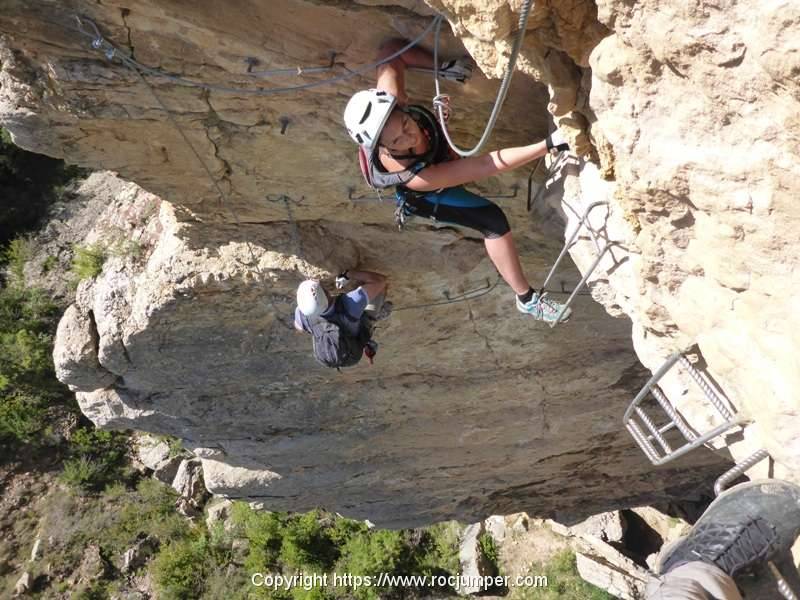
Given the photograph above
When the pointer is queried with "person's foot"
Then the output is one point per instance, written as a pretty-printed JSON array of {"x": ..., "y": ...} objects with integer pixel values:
[
  {"x": 747, "y": 525},
  {"x": 542, "y": 308}
]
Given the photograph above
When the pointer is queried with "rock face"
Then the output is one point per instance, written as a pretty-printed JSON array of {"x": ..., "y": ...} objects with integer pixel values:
[
  {"x": 76, "y": 354},
  {"x": 137, "y": 555},
  {"x": 475, "y": 566},
  {"x": 685, "y": 123},
  {"x": 701, "y": 118},
  {"x": 608, "y": 527},
  {"x": 603, "y": 566},
  {"x": 23, "y": 584},
  {"x": 93, "y": 566},
  {"x": 155, "y": 455}
]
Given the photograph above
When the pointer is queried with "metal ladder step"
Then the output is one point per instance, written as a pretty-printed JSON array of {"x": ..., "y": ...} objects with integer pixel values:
[
  {"x": 582, "y": 223},
  {"x": 636, "y": 420}
]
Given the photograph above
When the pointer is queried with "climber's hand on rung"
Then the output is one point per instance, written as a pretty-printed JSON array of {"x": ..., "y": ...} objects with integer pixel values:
[
  {"x": 556, "y": 142},
  {"x": 459, "y": 70},
  {"x": 341, "y": 280}
]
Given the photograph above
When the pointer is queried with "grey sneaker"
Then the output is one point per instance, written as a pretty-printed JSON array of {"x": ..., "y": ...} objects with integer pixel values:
[
  {"x": 747, "y": 525},
  {"x": 542, "y": 308}
]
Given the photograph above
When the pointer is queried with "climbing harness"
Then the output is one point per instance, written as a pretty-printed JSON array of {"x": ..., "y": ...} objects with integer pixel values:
[
  {"x": 637, "y": 417},
  {"x": 351, "y": 191},
  {"x": 377, "y": 179},
  {"x": 111, "y": 51},
  {"x": 504, "y": 85}
]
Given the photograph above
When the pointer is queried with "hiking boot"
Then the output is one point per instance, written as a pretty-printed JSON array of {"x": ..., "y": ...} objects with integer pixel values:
[
  {"x": 747, "y": 525},
  {"x": 542, "y": 308}
]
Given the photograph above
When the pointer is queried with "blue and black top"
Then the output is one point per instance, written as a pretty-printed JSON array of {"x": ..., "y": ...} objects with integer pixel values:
[{"x": 453, "y": 205}]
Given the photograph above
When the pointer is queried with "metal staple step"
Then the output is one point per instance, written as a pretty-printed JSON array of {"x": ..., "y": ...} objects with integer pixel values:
[
  {"x": 636, "y": 418},
  {"x": 582, "y": 222}
]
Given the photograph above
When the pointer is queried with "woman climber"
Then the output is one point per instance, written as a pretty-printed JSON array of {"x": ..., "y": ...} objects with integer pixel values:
[{"x": 404, "y": 147}]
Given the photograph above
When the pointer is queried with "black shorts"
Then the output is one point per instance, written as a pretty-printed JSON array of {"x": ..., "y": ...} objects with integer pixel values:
[{"x": 460, "y": 207}]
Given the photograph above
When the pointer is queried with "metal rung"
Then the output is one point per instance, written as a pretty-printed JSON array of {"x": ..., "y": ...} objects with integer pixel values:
[
  {"x": 722, "y": 483},
  {"x": 663, "y": 429},
  {"x": 693, "y": 440},
  {"x": 571, "y": 239},
  {"x": 559, "y": 162},
  {"x": 696, "y": 443},
  {"x": 783, "y": 587},
  {"x": 569, "y": 243},
  {"x": 655, "y": 433},
  {"x": 645, "y": 445},
  {"x": 677, "y": 420},
  {"x": 703, "y": 384},
  {"x": 738, "y": 469}
]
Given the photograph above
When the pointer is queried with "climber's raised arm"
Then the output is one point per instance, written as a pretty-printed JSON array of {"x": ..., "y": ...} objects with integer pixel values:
[
  {"x": 392, "y": 75},
  {"x": 466, "y": 170},
  {"x": 373, "y": 284}
]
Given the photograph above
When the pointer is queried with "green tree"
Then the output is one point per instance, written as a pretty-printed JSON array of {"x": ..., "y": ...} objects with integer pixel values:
[
  {"x": 180, "y": 569},
  {"x": 28, "y": 386},
  {"x": 97, "y": 458},
  {"x": 306, "y": 544},
  {"x": 369, "y": 554},
  {"x": 87, "y": 261}
]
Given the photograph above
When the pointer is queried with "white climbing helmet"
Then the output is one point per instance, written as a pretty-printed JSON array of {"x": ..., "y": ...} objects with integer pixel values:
[
  {"x": 311, "y": 298},
  {"x": 366, "y": 114}
]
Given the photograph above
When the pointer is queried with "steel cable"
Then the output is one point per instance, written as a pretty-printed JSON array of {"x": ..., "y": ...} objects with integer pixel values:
[
  {"x": 501, "y": 94},
  {"x": 111, "y": 51}
]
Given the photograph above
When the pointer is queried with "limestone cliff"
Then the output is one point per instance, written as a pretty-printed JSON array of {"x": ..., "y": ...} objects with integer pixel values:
[{"x": 687, "y": 123}]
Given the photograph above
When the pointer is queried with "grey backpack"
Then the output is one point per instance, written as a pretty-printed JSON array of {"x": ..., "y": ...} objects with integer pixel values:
[{"x": 339, "y": 340}]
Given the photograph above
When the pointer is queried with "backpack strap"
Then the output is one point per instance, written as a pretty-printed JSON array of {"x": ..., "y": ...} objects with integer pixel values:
[
  {"x": 364, "y": 164},
  {"x": 357, "y": 328}
]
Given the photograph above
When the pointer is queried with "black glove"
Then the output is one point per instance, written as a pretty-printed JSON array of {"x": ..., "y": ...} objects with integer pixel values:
[
  {"x": 342, "y": 279},
  {"x": 459, "y": 70},
  {"x": 556, "y": 142}
]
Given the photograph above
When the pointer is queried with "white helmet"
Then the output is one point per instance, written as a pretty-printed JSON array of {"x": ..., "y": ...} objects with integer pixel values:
[
  {"x": 366, "y": 114},
  {"x": 311, "y": 298}
]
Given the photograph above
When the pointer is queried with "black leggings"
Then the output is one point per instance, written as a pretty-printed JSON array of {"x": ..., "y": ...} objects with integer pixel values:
[{"x": 460, "y": 207}]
